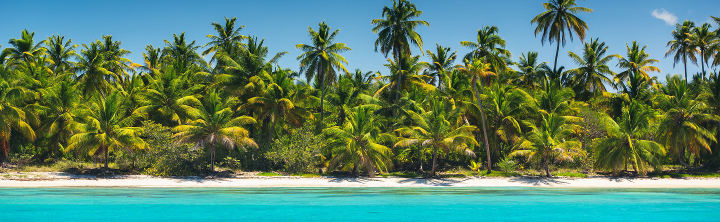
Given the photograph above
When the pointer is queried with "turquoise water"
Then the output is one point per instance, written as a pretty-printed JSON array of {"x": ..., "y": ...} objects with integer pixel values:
[{"x": 358, "y": 204}]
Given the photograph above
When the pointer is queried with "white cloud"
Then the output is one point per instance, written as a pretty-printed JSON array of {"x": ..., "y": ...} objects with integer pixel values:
[{"x": 667, "y": 17}]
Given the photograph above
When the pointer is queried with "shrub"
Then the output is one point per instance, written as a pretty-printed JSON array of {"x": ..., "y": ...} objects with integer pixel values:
[
  {"x": 165, "y": 157},
  {"x": 298, "y": 151}
]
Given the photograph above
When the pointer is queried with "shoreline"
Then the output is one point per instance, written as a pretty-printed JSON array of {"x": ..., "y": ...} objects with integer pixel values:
[{"x": 47, "y": 180}]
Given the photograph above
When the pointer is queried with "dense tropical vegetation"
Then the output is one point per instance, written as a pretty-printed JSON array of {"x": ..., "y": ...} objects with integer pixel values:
[{"x": 176, "y": 113}]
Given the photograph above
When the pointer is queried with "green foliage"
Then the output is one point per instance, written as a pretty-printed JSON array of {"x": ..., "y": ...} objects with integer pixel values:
[
  {"x": 166, "y": 157},
  {"x": 174, "y": 112},
  {"x": 299, "y": 151}
]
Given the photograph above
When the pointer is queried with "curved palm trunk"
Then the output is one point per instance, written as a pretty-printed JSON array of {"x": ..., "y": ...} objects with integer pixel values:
[
  {"x": 434, "y": 162},
  {"x": 484, "y": 125},
  {"x": 396, "y": 52}
]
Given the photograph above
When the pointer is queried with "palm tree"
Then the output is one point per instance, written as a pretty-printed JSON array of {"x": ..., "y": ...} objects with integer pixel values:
[
  {"x": 358, "y": 143},
  {"x": 59, "y": 102},
  {"x": 274, "y": 104},
  {"x": 106, "y": 127},
  {"x": 506, "y": 107},
  {"x": 237, "y": 70},
  {"x": 531, "y": 69},
  {"x": 60, "y": 53},
  {"x": 442, "y": 62},
  {"x": 432, "y": 128},
  {"x": 94, "y": 76},
  {"x": 704, "y": 40},
  {"x": 478, "y": 69},
  {"x": 152, "y": 57},
  {"x": 182, "y": 55},
  {"x": 627, "y": 143},
  {"x": 681, "y": 45},
  {"x": 558, "y": 18},
  {"x": 114, "y": 56},
  {"x": 169, "y": 99},
  {"x": 227, "y": 39},
  {"x": 405, "y": 76},
  {"x": 636, "y": 64},
  {"x": 216, "y": 126},
  {"x": 683, "y": 125},
  {"x": 396, "y": 30},
  {"x": 489, "y": 46},
  {"x": 552, "y": 141},
  {"x": 24, "y": 51},
  {"x": 590, "y": 78},
  {"x": 12, "y": 116},
  {"x": 321, "y": 58}
]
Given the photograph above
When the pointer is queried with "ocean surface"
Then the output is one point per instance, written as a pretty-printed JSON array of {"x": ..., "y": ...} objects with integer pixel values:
[{"x": 358, "y": 204}]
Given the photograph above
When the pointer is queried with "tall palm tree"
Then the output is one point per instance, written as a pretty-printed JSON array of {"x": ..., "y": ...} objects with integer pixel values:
[
  {"x": 60, "y": 53},
  {"x": 396, "y": 30},
  {"x": 216, "y": 126},
  {"x": 94, "y": 78},
  {"x": 590, "y": 78},
  {"x": 114, "y": 56},
  {"x": 704, "y": 40},
  {"x": 152, "y": 57},
  {"x": 321, "y": 58},
  {"x": 227, "y": 39},
  {"x": 106, "y": 127},
  {"x": 489, "y": 46},
  {"x": 442, "y": 61},
  {"x": 560, "y": 16},
  {"x": 12, "y": 116},
  {"x": 627, "y": 142},
  {"x": 432, "y": 128},
  {"x": 681, "y": 45},
  {"x": 636, "y": 64},
  {"x": 682, "y": 128},
  {"x": 357, "y": 143},
  {"x": 182, "y": 55},
  {"x": 23, "y": 51},
  {"x": 478, "y": 69},
  {"x": 552, "y": 141}
]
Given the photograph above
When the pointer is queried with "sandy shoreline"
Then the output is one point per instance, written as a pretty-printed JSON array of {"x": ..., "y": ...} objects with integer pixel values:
[{"x": 65, "y": 180}]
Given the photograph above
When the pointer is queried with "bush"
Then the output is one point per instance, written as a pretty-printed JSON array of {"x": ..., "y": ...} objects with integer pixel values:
[
  {"x": 508, "y": 165},
  {"x": 298, "y": 151},
  {"x": 164, "y": 157}
]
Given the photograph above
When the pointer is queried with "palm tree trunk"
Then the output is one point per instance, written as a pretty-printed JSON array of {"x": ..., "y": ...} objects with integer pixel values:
[
  {"x": 106, "y": 157},
  {"x": 702, "y": 62},
  {"x": 396, "y": 52},
  {"x": 434, "y": 161},
  {"x": 5, "y": 148},
  {"x": 685, "y": 65},
  {"x": 484, "y": 125},
  {"x": 356, "y": 170},
  {"x": 212, "y": 158},
  {"x": 321, "y": 78},
  {"x": 557, "y": 50},
  {"x": 420, "y": 160}
]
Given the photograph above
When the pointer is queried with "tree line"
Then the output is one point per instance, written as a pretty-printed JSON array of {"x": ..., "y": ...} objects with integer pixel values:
[{"x": 483, "y": 110}]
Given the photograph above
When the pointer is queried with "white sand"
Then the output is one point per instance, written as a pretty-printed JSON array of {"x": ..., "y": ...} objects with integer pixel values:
[{"x": 64, "y": 180}]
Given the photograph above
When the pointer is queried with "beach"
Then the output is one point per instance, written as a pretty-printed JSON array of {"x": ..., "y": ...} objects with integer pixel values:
[{"x": 46, "y": 179}]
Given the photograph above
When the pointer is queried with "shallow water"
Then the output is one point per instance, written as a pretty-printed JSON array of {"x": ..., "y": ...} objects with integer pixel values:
[{"x": 357, "y": 204}]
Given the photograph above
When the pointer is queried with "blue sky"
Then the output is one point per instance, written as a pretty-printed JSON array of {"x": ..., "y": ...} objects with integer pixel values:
[{"x": 283, "y": 24}]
